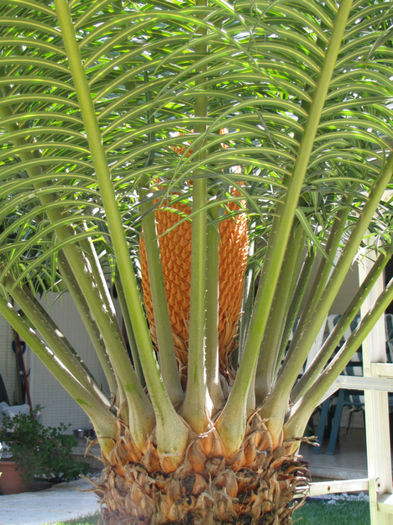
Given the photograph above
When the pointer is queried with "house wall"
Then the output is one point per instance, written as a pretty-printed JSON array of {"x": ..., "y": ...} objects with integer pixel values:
[
  {"x": 346, "y": 293},
  {"x": 57, "y": 405}
]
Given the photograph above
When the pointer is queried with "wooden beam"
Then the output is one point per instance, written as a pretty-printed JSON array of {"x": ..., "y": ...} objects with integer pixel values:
[
  {"x": 379, "y": 459},
  {"x": 381, "y": 369},
  {"x": 380, "y": 384},
  {"x": 340, "y": 485},
  {"x": 385, "y": 503}
]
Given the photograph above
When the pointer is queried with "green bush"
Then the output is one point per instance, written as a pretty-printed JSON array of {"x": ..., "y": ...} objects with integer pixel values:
[{"x": 42, "y": 452}]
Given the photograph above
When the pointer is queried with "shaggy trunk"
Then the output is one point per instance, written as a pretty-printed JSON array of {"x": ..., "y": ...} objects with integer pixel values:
[{"x": 259, "y": 484}]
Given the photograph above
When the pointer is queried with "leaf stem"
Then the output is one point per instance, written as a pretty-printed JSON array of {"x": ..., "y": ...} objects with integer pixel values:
[
  {"x": 165, "y": 343},
  {"x": 232, "y": 422},
  {"x": 130, "y": 332},
  {"x": 304, "y": 408},
  {"x": 171, "y": 431},
  {"x": 334, "y": 338},
  {"x": 300, "y": 346},
  {"x": 195, "y": 403},
  {"x": 212, "y": 309},
  {"x": 89, "y": 323},
  {"x": 271, "y": 343},
  {"x": 326, "y": 264},
  {"x": 96, "y": 408}
]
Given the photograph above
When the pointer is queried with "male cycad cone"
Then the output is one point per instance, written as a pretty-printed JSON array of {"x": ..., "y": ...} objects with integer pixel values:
[{"x": 175, "y": 250}]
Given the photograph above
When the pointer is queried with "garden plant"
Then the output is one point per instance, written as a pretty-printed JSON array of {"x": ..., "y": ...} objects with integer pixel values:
[
  {"x": 217, "y": 166},
  {"x": 40, "y": 451}
]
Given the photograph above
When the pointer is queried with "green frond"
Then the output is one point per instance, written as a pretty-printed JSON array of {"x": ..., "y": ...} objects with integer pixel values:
[{"x": 111, "y": 111}]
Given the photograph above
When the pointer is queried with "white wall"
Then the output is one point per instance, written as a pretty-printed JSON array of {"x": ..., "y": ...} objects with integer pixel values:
[
  {"x": 57, "y": 405},
  {"x": 347, "y": 291}
]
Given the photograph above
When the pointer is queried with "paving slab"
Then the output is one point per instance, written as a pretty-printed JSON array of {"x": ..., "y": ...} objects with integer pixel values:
[{"x": 61, "y": 502}]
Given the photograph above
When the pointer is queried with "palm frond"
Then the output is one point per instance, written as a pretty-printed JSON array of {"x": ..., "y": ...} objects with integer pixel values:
[{"x": 110, "y": 112}]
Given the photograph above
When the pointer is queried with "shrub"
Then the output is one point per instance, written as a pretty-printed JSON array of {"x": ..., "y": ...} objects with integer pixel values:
[{"x": 42, "y": 452}]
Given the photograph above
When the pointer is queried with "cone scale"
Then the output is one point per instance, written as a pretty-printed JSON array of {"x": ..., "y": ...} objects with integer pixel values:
[
  {"x": 257, "y": 485},
  {"x": 175, "y": 251}
]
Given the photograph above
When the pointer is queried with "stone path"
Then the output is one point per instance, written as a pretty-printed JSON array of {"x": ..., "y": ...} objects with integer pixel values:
[{"x": 61, "y": 502}]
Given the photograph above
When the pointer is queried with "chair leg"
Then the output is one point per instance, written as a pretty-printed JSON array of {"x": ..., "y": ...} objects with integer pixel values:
[
  {"x": 351, "y": 412},
  {"x": 322, "y": 424},
  {"x": 349, "y": 420},
  {"x": 336, "y": 423}
]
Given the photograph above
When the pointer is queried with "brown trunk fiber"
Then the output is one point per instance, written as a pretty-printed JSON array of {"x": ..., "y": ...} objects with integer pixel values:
[{"x": 257, "y": 485}]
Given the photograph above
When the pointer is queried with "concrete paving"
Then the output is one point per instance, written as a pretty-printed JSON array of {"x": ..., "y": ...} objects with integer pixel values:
[
  {"x": 62, "y": 502},
  {"x": 348, "y": 462}
]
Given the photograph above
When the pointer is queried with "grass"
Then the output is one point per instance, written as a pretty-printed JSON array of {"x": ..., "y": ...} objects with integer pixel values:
[
  {"x": 87, "y": 520},
  {"x": 337, "y": 513},
  {"x": 313, "y": 513}
]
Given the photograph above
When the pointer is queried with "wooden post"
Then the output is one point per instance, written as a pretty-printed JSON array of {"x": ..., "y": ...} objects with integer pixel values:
[{"x": 379, "y": 461}]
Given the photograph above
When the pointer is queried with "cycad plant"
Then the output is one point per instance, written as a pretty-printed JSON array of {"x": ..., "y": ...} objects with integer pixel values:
[{"x": 219, "y": 164}]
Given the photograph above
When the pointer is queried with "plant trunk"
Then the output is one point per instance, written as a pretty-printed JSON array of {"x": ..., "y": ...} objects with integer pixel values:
[{"x": 258, "y": 484}]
